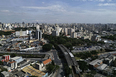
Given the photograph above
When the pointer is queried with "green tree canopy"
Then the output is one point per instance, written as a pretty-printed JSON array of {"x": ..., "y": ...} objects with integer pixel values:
[
  {"x": 83, "y": 65},
  {"x": 1, "y": 63},
  {"x": 47, "y": 47},
  {"x": 50, "y": 67},
  {"x": 13, "y": 55},
  {"x": 62, "y": 41}
]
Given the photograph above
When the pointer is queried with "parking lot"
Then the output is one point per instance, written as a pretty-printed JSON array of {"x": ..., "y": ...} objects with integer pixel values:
[{"x": 82, "y": 49}]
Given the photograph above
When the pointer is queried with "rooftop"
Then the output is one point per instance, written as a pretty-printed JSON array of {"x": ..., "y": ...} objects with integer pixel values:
[
  {"x": 17, "y": 57},
  {"x": 47, "y": 61},
  {"x": 5, "y": 73},
  {"x": 33, "y": 71},
  {"x": 11, "y": 62},
  {"x": 102, "y": 67},
  {"x": 6, "y": 60},
  {"x": 6, "y": 55},
  {"x": 97, "y": 61}
]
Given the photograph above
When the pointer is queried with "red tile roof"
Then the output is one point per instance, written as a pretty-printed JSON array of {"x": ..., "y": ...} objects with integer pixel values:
[
  {"x": 47, "y": 61},
  {"x": 6, "y": 60},
  {"x": 11, "y": 62}
]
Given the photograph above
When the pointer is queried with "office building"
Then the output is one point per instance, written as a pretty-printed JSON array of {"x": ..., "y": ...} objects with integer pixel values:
[
  {"x": 18, "y": 59},
  {"x": 38, "y": 33},
  {"x": 70, "y": 31},
  {"x": 65, "y": 31},
  {"x": 5, "y": 57},
  {"x": 55, "y": 33},
  {"x": 74, "y": 35}
]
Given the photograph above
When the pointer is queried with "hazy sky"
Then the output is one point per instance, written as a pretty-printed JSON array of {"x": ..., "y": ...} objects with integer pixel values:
[{"x": 58, "y": 11}]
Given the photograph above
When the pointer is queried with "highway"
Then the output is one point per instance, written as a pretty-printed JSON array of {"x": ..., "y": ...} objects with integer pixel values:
[
  {"x": 56, "y": 58},
  {"x": 33, "y": 53},
  {"x": 70, "y": 60}
]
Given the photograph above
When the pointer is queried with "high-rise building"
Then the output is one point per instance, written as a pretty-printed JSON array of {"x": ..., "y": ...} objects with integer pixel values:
[
  {"x": 38, "y": 33},
  {"x": 55, "y": 33},
  {"x": 74, "y": 35},
  {"x": 65, "y": 31},
  {"x": 70, "y": 31}
]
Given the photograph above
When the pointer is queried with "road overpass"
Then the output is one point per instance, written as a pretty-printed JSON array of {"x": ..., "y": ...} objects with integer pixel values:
[{"x": 70, "y": 59}]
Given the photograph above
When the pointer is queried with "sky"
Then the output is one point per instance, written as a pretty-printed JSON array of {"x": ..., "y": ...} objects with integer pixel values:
[{"x": 58, "y": 11}]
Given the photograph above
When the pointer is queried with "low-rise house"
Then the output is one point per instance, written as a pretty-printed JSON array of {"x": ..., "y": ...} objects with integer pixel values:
[
  {"x": 109, "y": 59},
  {"x": 46, "y": 62},
  {"x": 94, "y": 64},
  {"x": 5, "y": 74},
  {"x": 108, "y": 70},
  {"x": 102, "y": 67},
  {"x": 12, "y": 63},
  {"x": 42, "y": 65}
]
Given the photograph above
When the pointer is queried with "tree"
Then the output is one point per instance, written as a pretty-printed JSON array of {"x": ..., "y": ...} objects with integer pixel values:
[
  {"x": 83, "y": 65},
  {"x": 13, "y": 55},
  {"x": 94, "y": 52},
  {"x": 67, "y": 70},
  {"x": 1, "y": 63},
  {"x": 68, "y": 45},
  {"x": 50, "y": 67},
  {"x": 93, "y": 72},
  {"x": 114, "y": 63},
  {"x": 61, "y": 41},
  {"x": 89, "y": 75},
  {"x": 47, "y": 47},
  {"x": 114, "y": 72}
]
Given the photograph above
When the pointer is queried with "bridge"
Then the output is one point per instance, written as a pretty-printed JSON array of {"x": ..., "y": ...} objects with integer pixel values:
[{"x": 70, "y": 59}]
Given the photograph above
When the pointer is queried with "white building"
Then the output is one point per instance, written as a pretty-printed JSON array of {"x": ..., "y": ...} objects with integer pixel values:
[
  {"x": 18, "y": 59},
  {"x": 40, "y": 66},
  {"x": 21, "y": 33},
  {"x": 4, "y": 74},
  {"x": 38, "y": 33},
  {"x": 12, "y": 63},
  {"x": 74, "y": 35},
  {"x": 70, "y": 31},
  {"x": 55, "y": 33},
  {"x": 65, "y": 31}
]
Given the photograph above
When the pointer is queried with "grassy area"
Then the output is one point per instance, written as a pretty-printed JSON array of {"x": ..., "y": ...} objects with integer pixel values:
[{"x": 77, "y": 58}]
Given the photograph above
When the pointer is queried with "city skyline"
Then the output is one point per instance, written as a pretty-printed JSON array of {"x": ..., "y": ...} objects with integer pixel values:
[{"x": 61, "y": 11}]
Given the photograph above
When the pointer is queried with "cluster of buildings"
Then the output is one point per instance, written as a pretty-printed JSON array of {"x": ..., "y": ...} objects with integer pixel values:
[
  {"x": 26, "y": 45},
  {"x": 34, "y": 68},
  {"x": 11, "y": 63},
  {"x": 85, "y": 31},
  {"x": 71, "y": 32},
  {"x": 24, "y": 40},
  {"x": 104, "y": 64},
  {"x": 30, "y": 34}
]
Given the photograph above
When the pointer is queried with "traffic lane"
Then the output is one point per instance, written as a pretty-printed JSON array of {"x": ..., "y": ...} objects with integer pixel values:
[
  {"x": 56, "y": 58},
  {"x": 60, "y": 72}
]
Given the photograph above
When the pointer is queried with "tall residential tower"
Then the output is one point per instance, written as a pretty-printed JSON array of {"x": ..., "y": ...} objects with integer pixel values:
[{"x": 38, "y": 33}]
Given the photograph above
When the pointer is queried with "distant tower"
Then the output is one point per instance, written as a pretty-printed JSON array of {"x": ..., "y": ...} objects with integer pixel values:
[
  {"x": 57, "y": 27},
  {"x": 38, "y": 33},
  {"x": 93, "y": 28}
]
